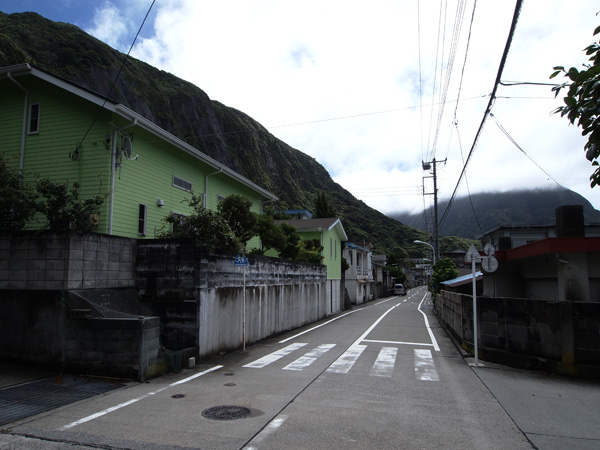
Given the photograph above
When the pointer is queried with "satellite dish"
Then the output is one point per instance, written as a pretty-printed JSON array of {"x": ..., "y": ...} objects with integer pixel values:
[{"x": 126, "y": 147}]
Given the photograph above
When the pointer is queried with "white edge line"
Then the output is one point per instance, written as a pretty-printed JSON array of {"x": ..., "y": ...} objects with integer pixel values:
[
  {"x": 134, "y": 400},
  {"x": 436, "y": 347},
  {"x": 269, "y": 429}
]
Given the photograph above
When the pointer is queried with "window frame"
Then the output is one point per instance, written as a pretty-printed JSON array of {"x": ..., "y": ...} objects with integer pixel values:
[
  {"x": 182, "y": 184},
  {"x": 34, "y": 118},
  {"x": 142, "y": 219}
]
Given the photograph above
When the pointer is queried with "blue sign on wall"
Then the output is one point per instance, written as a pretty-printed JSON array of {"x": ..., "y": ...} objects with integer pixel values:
[{"x": 241, "y": 260}]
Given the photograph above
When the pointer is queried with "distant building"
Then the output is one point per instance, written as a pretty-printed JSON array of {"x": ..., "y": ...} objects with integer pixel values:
[
  {"x": 331, "y": 234},
  {"x": 359, "y": 277}
]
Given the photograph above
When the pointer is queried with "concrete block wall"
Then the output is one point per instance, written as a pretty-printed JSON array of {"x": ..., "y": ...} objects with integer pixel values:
[
  {"x": 62, "y": 261},
  {"x": 200, "y": 297},
  {"x": 535, "y": 334},
  {"x": 36, "y": 327},
  {"x": 121, "y": 347}
]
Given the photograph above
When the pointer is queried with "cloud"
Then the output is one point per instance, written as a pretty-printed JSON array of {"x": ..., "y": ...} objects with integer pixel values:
[
  {"x": 109, "y": 25},
  {"x": 357, "y": 87}
]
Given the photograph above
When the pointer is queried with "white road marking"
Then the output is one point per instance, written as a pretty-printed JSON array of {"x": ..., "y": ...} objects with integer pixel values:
[
  {"x": 345, "y": 362},
  {"x": 309, "y": 358},
  {"x": 267, "y": 431},
  {"x": 134, "y": 400},
  {"x": 334, "y": 319},
  {"x": 436, "y": 347},
  {"x": 397, "y": 342},
  {"x": 386, "y": 360},
  {"x": 272, "y": 357},
  {"x": 424, "y": 366}
]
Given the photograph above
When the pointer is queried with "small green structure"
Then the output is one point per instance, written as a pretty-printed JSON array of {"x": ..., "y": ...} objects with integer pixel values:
[{"x": 331, "y": 234}]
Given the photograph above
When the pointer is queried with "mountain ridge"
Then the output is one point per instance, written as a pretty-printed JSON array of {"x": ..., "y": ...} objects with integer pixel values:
[{"x": 471, "y": 217}]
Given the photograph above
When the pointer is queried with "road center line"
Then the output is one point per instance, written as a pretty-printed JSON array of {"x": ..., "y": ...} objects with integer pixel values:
[
  {"x": 134, "y": 400},
  {"x": 334, "y": 319}
]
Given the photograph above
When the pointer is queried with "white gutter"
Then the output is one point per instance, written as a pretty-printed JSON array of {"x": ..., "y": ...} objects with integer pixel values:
[
  {"x": 113, "y": 169},
  {"x": 205, "y": 199},
  {"x": 113, "y": 162},
  {"x": 24, "y": 130}
]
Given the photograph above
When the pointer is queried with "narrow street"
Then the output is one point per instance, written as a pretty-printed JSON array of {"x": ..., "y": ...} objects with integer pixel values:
[{"x": 381, "y": 376}]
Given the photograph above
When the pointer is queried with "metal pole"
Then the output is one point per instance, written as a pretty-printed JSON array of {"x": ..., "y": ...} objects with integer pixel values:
[
  {"x": 475, "y": 343},
  {"x": 244, "y": 315},
  {"x": 436, "y": 231}
]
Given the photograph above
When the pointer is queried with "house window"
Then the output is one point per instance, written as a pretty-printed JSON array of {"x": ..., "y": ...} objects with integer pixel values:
[
  {"x": 34, "y": 118},
  {"x": 330, "y": 248},
  {"x": 142, "y": 219},
  {"x": 182, "y": 184},
  {"x": 178, "y": 222},
  {"x": 220, "y": 198}
]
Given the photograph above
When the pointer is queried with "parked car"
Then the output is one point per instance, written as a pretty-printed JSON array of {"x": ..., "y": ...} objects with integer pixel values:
[{"x": 399, "y": 289}]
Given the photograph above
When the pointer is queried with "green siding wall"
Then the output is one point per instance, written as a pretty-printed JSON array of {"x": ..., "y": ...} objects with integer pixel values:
[{"x": 65, "y": 118}]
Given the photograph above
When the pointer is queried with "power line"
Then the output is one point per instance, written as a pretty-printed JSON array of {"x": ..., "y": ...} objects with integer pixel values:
[
  {"x": 510, "y": 138},
  {"x": 511, "y": 33},
  {"x": 117, "y": 76}
]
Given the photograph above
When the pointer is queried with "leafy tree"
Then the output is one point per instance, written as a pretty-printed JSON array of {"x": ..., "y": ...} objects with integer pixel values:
[
  {"x": 322, "y": 208},
  {"x": 582, "y": 102},
  {"x": 207, "y": 228},
  {"x": 271, "y": 235},
  {"x": 63, "y": 209},
  {"x": 235, "y": 209},
  {"x": 443, "y": 270},
  {"x": 397, "y": 273},
  {"x": 17, "y": 200},
  {"x": 310, "y": 251},
  {"x": 292, "y": 238}
]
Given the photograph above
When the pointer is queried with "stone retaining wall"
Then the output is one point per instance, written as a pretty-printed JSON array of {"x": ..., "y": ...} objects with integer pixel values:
[{"x": 556, "y": 336}]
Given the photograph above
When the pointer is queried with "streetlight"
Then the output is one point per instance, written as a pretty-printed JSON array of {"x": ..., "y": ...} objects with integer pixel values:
[{"x": 427, "y": 243}]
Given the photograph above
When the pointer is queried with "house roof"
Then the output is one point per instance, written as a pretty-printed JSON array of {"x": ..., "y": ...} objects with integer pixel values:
[
  {"x": 317, "y": 225},
  {"x": 356, "y": 247},
  {"x": 551, "y": 245},
  {"x": 13, "y": 72},
  {"x": 459, "y": 281}
]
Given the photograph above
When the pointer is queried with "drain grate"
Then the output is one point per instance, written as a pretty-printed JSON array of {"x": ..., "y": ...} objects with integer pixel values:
[
  {"x": 226, "y": 412},
  {"x": 28, "y": 399}
]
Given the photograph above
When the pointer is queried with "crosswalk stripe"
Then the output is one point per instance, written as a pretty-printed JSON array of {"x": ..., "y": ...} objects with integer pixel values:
[
  {"x": 345, "y": 362},
  {"x": 424, "y": 366},
  {"x": 385, "y": 362},
  {"x": 309, "y": 358},
  {"x": 272, "y": 357}
]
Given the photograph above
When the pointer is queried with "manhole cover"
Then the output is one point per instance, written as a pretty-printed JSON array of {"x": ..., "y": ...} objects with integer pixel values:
[
  {"x": 178, "y": 396},
  {"x": 226, "y": 412},
  {"x": 230, "y": 384}
]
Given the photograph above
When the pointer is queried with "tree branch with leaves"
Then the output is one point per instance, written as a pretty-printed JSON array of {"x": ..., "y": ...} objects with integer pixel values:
[{"x": 582, "y": 102}]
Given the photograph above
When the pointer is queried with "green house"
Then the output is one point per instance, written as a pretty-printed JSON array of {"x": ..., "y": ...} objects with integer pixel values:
[
  {"x": 55, "y": 129},
  {"x": 331, "y": 234}
]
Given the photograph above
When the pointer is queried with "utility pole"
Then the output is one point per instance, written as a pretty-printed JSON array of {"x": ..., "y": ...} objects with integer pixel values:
[{"x": 432, "y": 165}]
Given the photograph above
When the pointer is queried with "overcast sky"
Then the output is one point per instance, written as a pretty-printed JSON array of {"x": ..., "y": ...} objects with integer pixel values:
[{"x": 373, "y": 89}]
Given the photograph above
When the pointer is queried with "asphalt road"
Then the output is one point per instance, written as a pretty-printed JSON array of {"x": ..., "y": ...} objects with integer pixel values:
[{"x": 383, "y": 376}]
